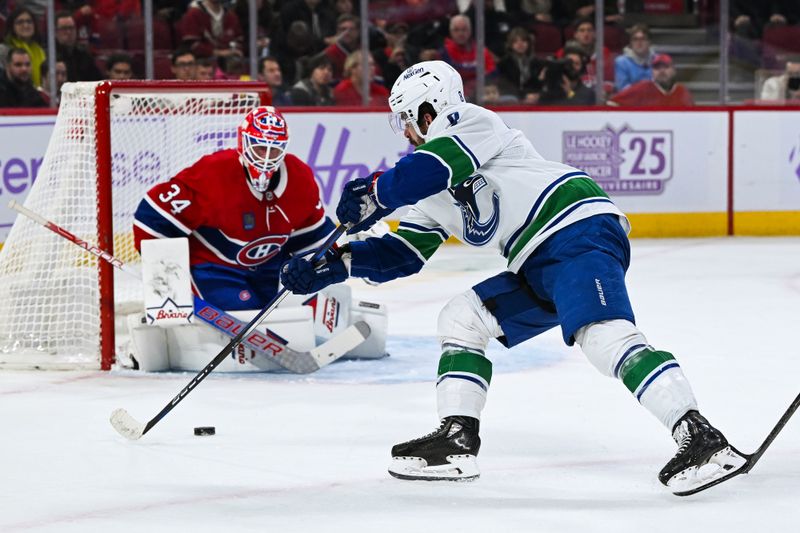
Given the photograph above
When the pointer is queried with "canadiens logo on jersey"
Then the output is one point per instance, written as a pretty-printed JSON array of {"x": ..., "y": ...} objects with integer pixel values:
[
  {"x": 472, "y": 197},
  {"x": 261, "y": 250}
]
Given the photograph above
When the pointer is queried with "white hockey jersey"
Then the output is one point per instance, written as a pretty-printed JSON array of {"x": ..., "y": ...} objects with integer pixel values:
[{"x": 483, "y": 182}]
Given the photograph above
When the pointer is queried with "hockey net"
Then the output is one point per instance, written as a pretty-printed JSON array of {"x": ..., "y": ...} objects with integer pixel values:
[{"x": 112, "y": 141}]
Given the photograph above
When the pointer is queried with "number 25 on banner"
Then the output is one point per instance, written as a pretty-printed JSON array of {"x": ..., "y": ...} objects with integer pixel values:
[{"x": 646, "y": 154}]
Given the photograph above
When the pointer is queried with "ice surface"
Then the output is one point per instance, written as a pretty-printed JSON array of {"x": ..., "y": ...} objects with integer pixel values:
[{"x": 564, "y": 449}]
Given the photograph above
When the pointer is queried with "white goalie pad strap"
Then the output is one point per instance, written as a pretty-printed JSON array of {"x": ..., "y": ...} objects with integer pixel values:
[
  {"x": 167, "y": 281},
  {"x": 465, "y": 322}
]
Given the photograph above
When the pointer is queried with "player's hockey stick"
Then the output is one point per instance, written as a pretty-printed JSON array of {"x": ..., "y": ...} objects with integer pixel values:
[
  {"x": 752, "y": 458},
  {"x": 271, "y": 346},
  {"x": 129, "y": 427}
]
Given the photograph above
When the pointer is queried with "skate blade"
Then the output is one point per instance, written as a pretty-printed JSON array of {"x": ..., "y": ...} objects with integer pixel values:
[
  {"x": 459, "y": 468},
  {"x": 721, "y": 466}
]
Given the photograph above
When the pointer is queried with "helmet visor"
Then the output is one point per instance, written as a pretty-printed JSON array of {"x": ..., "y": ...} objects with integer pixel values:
[{"x": 399, "y": 121}]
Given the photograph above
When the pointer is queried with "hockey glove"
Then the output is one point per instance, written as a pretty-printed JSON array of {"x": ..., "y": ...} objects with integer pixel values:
[
  {"x": 358, "y": 207},
  {"x": 301, "y": 277}
]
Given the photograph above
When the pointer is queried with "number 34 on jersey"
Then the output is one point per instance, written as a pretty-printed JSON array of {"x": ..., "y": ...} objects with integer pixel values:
[{"x": 170, "y": 198}]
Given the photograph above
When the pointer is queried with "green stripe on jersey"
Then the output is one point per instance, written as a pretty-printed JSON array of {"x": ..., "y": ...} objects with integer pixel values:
[
  {"x": 567, "y": 194},
  {"x": 467, "y": 362},
  {"x": 634, "y": 371},
  {"x": 425, "y": 243},
  {"x": 460, "y": 164}
]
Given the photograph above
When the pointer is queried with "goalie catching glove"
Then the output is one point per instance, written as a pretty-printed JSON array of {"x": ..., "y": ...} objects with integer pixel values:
[
  {"x": 359, "y": 207},
  {"x": 299, "y": 276}
]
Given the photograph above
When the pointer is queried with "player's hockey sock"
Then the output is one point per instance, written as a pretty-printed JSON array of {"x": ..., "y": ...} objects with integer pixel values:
[
  {"x": 463, "y": 382},
  {"x": 657, "y": 381}
]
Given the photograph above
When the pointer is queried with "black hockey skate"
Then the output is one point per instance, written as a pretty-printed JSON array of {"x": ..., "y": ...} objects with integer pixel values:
[
  {"x": 704, "y": 457},
  {"x": 448, "y": 453}
]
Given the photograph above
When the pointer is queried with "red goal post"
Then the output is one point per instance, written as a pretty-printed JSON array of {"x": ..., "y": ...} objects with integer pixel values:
[{"x": 112, "y": 141}]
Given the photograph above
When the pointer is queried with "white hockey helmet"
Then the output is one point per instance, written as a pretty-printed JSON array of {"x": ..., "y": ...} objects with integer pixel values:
[{"x": 434, "y": 82}]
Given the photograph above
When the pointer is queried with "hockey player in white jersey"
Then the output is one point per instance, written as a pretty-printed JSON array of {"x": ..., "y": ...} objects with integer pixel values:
[{"x": 567, "y": 250}]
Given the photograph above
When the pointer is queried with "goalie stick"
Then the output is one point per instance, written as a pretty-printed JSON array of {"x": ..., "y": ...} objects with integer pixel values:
[
  {"x": 752, "y": 458},
  {"x": 271, "y": 345}
]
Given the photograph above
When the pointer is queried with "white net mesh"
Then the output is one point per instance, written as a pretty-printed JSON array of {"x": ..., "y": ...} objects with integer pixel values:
[{"x": 49, "y": 295}]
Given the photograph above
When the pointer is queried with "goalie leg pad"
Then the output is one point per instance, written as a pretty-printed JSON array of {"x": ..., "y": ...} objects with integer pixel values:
[
  {"x": 148, "y": 345},
  {"x": 377, "y": 318},
  {"x": 190, "y": 346},
  {"x": 166, "y": 281}
]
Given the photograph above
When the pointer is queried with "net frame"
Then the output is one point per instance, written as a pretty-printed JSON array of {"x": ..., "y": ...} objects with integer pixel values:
[{"x": 104, "y": 93}]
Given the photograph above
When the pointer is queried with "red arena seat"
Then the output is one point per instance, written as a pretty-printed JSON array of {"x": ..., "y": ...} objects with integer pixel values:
[
  {"x": 548, "y": 38},
  {"x": 162, "y": 34}
]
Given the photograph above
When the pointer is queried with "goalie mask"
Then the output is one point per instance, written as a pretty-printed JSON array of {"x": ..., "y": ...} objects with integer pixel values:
[
  {"x": 434, "y": 82},
  {"x": 262, "y": 140}
]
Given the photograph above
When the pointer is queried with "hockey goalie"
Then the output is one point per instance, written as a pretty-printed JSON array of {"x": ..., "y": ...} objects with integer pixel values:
[{"x": 212, "y": 240}]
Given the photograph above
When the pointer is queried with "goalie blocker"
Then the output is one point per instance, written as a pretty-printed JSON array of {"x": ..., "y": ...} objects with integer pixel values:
[{"x": 167, "y": 335}]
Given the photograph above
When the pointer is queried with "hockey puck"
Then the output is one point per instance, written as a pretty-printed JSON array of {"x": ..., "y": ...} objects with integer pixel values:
[{"x": 206, "y": 430}]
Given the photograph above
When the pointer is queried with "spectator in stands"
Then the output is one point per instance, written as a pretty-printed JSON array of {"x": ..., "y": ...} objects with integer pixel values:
[
  {"x": 459, "y": 51},
  {"x": 184, "y": 65},
  {"x": 348, "y": 91},
  {"x": 519, "y": 68},
  {"x": 16, "y": 87},
  {"x": 294, "y": 50},
  {"x": 661, "y": 90},
  {"x": 80, "y": 63},
  {"x": 565, "y": 11},
  {"x": 586, "y": 38},
  {"x": 234, "y": 67},
  {"x": 347, "y": 41},
  {"x": 749, "y": 18},
  {"x": 561, "y": 81},
  {"x": 316, "y": 14},
  {"x": 785, "y": 87},
  {"x": 205, "y": 68},
  {"x": 392, "y": 59},
  {"x": 119, "y": 67},
  {"x": 493, "y": 97},
  {"x": 315, "y": 89},
  {"x": 22, "y": 32},
  {"x": 61, "y": 78},
  {"x": 343, "y": 7},
  {"x": 536, "y": 10},
  {"x": 268, "y": 24},
  {"x": 635, "y": 62},
  {"x": 208, "y": 28},
  {"x": 270, "y": 72},
  {"x": 496, "y": 20}
]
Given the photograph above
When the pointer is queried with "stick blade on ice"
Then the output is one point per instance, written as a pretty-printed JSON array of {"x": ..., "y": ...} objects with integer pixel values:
[{"x": 126, "y": 425}]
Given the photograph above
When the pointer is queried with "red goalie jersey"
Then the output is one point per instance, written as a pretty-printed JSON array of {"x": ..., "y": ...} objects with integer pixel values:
[{"x": 238, "y": 236}]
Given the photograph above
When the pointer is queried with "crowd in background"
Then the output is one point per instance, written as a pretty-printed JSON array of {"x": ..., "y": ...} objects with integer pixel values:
[{"x": 537, "y": 52}]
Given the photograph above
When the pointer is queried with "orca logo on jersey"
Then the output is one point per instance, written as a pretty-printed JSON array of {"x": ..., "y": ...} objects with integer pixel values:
[
  {"x": 476, "y": 233},
  {"x": 261, "y": 250}
]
